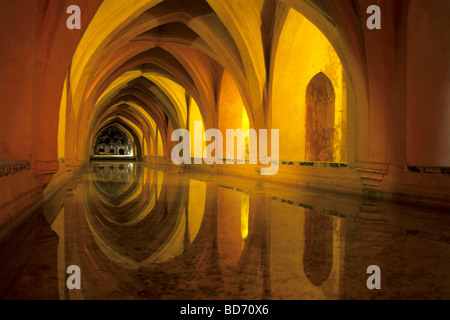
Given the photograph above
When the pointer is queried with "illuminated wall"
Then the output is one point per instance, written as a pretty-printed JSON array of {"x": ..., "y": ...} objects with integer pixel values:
[
  {"x": 302, "y": 53},
  {"x": 232, "y": 114}
]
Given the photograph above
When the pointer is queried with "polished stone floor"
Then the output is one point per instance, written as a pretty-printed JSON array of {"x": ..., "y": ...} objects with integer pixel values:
[{"x": 137, "y": 232}]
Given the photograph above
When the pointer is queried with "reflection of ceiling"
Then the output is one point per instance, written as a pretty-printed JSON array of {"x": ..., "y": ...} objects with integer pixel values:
[
  {"x": 123, "y": 203},
  {"x": 112, "y": 178}
]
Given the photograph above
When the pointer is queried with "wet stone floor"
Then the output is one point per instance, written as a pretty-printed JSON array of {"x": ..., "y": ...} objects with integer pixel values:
[{"x": 138, "y": 232}]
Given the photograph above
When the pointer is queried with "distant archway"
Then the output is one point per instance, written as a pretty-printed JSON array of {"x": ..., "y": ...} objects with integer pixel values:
[
  {"x": 113, "y": 142},
  {"x": 320, "y": 116}
]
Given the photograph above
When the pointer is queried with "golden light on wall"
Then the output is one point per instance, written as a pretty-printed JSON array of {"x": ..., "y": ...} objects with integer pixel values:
[
  {"x": 62, "y": 124},
  {"x": 195, "y": 116},
  {"x": 302, "y": 53}
]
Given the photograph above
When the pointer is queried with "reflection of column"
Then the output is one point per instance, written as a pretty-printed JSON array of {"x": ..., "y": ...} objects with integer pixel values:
[
  {"x": 202, "y": 259},
  {"x": 365, "y": 245},
  {"x": 72, "y": 205},
  {"x": 253, "y": 272},
  {"x": 29, "y": 272},
  {"x": 58, "y": 227},
  {"x": 318, "y": 251},
  {"x": 42, "y": 284},
  {"x": 261, "y": 205},
  {"x": 229, "y": 236},
  {"x": 185, "y": 200}
]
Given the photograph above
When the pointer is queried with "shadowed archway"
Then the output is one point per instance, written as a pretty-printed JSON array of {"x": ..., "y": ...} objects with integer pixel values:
[{"x": 320, "y": 115}]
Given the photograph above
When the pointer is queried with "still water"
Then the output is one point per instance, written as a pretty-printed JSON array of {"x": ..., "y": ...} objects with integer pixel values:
[{"x": 139, "y": 232}]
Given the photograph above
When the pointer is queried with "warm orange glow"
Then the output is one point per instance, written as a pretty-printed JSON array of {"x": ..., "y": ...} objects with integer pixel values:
[
  {"x": 195, "y": 116},
  {"x": 302, "y": 53},
  {"x": 354, "y": 171}
]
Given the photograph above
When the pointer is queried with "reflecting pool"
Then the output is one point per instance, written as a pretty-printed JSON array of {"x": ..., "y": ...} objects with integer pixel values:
[{"x": 140, "y": 232}]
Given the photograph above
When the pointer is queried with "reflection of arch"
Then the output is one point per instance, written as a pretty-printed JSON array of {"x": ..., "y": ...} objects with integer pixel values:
[
  {"x": 113, "y": 178},
  {"x": 318, "y": 252},
  {"x": 139, "y": 210},
  {"x": 158, "y": 274},
  {"x": 320, "y": 115}
]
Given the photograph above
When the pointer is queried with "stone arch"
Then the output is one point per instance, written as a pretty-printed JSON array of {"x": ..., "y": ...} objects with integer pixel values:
[
  {"x": 114, "y": 140},
  {"x": 301, "y": 51},
  {"x": 232, "y": 112}
]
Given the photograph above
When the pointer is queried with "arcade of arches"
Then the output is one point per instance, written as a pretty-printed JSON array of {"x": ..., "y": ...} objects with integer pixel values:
[{"x": 363, "y": 118}]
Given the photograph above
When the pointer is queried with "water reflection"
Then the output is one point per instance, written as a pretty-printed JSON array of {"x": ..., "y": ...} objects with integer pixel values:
[
  {"x": 138, "y": 232},
  {"x": 140, "y": 209},
  {"x": 318, "y": 252},
  {"x": 111, "y": 179}
]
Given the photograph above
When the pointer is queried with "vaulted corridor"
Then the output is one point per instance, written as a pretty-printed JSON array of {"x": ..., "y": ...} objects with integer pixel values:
[{"x": 212, "y": 149}]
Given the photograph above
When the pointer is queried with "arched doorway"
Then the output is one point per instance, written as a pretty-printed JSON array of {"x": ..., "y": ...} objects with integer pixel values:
[{"x": 320, "y": 116}]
